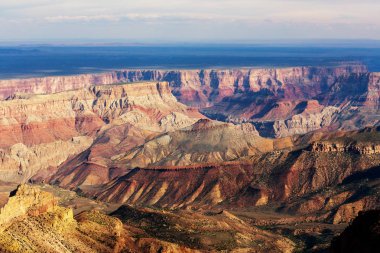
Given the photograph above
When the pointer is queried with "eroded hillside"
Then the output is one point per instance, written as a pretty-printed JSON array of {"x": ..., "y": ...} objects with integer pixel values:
[{"x": 181, "y": 181}]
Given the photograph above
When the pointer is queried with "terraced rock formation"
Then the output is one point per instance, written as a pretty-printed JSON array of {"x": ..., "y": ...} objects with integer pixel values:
[
  {"x": 135, "y": 146},
  {"x": 40, "y": 132},
  {"x": 283, "y": 102}
]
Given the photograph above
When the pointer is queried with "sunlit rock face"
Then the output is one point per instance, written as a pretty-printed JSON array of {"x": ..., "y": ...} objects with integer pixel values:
[
  {"x": 281, "y": 102},
  {"x": 286, "y": 138},
  {"x": 41, "y": 131}
]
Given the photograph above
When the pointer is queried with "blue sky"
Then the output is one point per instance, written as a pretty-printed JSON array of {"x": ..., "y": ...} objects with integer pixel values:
[{"x": 188, "y": 20}]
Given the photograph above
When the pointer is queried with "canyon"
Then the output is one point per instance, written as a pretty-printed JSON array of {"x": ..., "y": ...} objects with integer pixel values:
[
  {"x": 280, "y": 102},
  {"x": 158, "y": 153}
]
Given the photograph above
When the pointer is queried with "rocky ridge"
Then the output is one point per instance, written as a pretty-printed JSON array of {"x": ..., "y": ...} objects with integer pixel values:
[
  {"x": 330, "y": 186},
  {"x": 27, "y": 201}
]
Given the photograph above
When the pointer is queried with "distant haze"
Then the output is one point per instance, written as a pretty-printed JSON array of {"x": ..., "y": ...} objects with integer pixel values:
[
  {"x": 33, "y": 61},
  {"x": 187, "y": 20}
]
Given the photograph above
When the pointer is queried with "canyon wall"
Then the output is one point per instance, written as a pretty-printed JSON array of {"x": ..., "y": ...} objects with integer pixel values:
[
  {"x": 42, "y": 131},
  {"x": 287, "y": 101},
  {"x": 198, "y": 87},
  {"x": 121, "y": 137}
]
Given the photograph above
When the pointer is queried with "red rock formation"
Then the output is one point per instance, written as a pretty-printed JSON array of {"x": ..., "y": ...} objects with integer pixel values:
[
  {"x": 31, "y": 125},
  {"x": 258, "y": 95},
  {"x": 198, "y": 87}
]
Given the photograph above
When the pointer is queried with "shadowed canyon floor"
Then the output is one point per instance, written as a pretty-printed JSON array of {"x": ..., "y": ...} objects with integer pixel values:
[{"x": 136, "y": 167}]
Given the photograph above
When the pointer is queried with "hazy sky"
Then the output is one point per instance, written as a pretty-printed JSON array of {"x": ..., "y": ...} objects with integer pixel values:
[{"x": 188, "y": 20}]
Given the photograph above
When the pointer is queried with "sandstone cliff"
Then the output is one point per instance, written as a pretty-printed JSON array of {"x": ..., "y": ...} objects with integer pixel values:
[
  {"x": 255, "y": 95},
  {"x": 199, "y": 87},
  {"x": 42, "y": 131}
]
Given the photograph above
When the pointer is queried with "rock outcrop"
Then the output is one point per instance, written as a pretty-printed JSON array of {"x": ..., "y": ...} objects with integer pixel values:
[
  {"x": 328, "y": 147},
  {"x": 27, "y": 201},
  {"x": 42, "y": 131},
  {"x": 32, "y": 221}
]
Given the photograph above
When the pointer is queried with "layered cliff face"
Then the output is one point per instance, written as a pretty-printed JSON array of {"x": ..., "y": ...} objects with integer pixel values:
[
  {"x": 135, "y": 144},
  {"x": 335, "y": 100},
  {"x": 270, "y": 96},
  {"x": 306, "y": 121},
  {"x": 199, "y": 87},
  {"x": 42, "y": 131},
  {"x": 372, "y": 96}
]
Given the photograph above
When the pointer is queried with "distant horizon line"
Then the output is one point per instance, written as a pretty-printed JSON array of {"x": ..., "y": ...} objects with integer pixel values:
[{"x": 262, "y": 42}]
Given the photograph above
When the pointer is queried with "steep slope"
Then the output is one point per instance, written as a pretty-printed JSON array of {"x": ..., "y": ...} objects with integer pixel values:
[
  {"x": 205, "y": 142},
  {"x": 328, "y": 177}
]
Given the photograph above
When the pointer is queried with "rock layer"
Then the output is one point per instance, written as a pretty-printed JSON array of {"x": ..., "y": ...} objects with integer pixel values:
[
  {"x": 286, "y": 98},
  {"x": 42, "y": 131},
  {"x": 322, "y": 185},
  {"x": 32, "y": 221}
]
